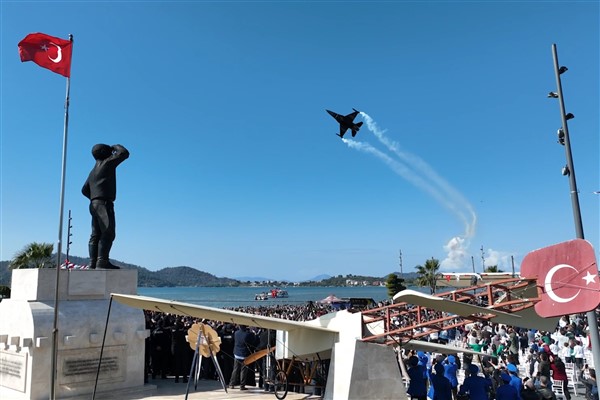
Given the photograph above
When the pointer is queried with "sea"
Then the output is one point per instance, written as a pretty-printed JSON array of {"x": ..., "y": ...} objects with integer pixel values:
[{"x": 222, "y": 297}]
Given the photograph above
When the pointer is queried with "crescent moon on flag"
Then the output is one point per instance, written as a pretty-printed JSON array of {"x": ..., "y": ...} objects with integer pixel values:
[
  {"x": 58, "y": 56},
  {"x": 548, "y": 284}
]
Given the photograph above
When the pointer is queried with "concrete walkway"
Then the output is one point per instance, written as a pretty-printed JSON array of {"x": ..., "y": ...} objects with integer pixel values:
[{"x": 167, "y": 389}]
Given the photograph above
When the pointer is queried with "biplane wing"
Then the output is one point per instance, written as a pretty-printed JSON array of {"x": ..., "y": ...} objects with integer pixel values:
[
  {"x": 437, "y": 348},
  {"x": 297, "y": 337},
  {"x": 216, "y": 314},
  {"x": 523, "y": 319}
]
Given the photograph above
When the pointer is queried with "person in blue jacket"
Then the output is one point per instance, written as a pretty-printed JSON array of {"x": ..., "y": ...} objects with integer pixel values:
[
  {"x": 442, "y": 389},
  {"x": 506, "y": 391},
  {"x": 417, "y": 387},
  {"x": 450, "y": 370},
  {"x": 476, "y": 386},
  {"x": 515, "y": 381}
]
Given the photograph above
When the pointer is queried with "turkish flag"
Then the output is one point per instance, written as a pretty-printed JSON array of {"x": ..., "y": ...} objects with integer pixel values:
[
  {"x": 567, "y": 276},
  {"x": 47, "y": 51}
]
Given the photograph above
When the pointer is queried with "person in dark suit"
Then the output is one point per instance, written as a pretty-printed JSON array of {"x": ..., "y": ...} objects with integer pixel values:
[
  {"x": 225, "y": 356},
  {"x": 179, "y": 351}
]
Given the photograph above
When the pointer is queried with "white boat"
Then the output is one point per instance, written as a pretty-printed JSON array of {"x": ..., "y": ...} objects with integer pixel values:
[{"x": 261, "y": 296}]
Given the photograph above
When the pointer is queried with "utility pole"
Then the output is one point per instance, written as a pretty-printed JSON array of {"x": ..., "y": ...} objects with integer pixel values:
[
  {"x": 473, "y": 263},
  {"x": 401, "y": 273},
  {"x": 482, "y": 259},
  {"x": 512, "y": 261},
  {"x": 569, "y": 170}
]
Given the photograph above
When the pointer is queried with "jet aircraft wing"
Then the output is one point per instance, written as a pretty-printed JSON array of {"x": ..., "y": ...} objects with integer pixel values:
[{"x": 350, "y": 117}]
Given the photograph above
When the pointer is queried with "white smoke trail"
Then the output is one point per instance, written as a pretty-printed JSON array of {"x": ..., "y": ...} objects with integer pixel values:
[
  {"x": 422, "y": 175},
  {"x": 402, "y": 170}
]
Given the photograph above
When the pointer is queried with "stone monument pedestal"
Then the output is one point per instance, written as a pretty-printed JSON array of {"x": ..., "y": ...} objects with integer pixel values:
[
  {"x": 362, "y": 370},
  {"x": 84, "y": 295}
]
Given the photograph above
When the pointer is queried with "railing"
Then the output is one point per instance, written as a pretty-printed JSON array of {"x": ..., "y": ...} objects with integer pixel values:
[{"x": 403, "y": 321}]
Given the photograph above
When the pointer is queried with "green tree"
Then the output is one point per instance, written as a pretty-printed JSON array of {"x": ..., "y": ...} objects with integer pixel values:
[
  {"x": 34, "y": 255},
  {"x": 394, "y": 284},
  {"x": 4, "y": 292},
  {"x": 428, "y": 274},
  {"x": 492, "y": 268}
]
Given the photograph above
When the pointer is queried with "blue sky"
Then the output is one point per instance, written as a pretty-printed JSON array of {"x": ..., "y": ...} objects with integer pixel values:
[{"x": 235, "y": 167}]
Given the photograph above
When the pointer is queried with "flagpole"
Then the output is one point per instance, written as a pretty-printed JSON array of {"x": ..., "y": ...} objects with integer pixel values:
[{"x": 59, "y": 243}]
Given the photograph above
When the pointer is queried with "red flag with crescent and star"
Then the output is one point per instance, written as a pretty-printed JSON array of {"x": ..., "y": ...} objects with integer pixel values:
[
  {"x": 48, "y": 52},
  {"x": 567, "y": 275}
]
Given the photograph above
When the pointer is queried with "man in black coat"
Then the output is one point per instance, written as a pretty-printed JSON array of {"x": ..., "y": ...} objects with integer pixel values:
[
  {"x": 101, "y": 188},
  {"x": 244, "y": 342},
  {"x": 160, "y": 340},
  {"x": 225, "y": 356},
  {"x": 179, "y": 351}
]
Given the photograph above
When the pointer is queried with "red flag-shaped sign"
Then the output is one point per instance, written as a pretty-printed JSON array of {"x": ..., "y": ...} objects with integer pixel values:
[
  {"x": 47, "y": 51},
  {"x": 567, "y": 276}
]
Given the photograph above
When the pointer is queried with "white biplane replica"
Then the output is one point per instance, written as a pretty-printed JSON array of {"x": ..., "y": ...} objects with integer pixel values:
[{"x": 359, "y": 348}]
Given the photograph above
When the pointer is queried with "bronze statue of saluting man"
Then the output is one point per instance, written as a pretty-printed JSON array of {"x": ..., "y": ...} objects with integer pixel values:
[{"x": 101, "y": 188}]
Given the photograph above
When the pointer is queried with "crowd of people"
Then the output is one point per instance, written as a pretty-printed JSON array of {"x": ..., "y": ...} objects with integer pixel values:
[
  {"x": 518, "y": 363},
  {"x": 168, "y": 353},
  {"x": 437, "y": 378},
  {"x": 522, "y": 364}
]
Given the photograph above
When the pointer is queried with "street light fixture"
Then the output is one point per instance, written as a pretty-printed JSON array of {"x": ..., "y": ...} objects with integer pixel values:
[
  {"x": 561, "y": 136},
  {"x": 570, "y": 170}
]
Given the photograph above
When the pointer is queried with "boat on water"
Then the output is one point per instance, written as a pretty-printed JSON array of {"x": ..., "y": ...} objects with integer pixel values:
[
  {"x": 272, "y": 294},
  {"x": 261, "y": 296},
  {"x": 279, "y": 293}
]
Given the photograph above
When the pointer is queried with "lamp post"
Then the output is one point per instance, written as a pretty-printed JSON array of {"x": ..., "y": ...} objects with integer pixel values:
[{"x": 569, "y": 170}]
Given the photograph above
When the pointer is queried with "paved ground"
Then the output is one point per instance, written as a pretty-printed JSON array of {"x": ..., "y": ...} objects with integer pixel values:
[{"x": 167, "y": 389}]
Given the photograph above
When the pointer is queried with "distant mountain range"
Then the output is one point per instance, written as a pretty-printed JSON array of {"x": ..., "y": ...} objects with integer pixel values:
[
  {"x": 166, "y": 277},
  {"x": 187, "y": 276}
]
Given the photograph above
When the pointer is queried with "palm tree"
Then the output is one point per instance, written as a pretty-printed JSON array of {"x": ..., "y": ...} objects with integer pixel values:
[
  {"x": 492, "y": 268},
  {"x": 428, "y": 274},
  {"x": 34, "y": 255}
]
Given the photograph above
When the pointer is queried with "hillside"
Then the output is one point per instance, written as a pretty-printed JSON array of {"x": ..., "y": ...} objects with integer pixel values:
[
  {"x": 174, "y": 276},
  {"x": 187, "y": 276}
]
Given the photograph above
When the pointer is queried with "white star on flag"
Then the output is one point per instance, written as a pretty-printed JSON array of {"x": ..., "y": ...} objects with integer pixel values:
[
  {"x": 589, "y": 278},
  {"x": 44, "y": 47}
]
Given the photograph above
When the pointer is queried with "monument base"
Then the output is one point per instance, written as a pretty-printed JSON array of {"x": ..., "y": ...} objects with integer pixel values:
[
  {"x": 26, "y": 335},
  {"x": 361, "y": 370}
]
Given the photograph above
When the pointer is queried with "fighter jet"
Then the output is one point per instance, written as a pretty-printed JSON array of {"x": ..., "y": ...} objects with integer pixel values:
[{"x": 346, "y": 122}]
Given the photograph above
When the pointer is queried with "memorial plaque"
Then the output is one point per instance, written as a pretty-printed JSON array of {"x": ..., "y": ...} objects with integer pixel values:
[
  {"x": 13, "y": 370},
  {"x": 81, "y": 365}
]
